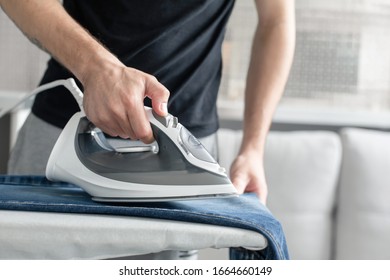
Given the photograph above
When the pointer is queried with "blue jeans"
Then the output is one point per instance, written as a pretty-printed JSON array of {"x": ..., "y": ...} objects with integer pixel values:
[{"x": 36, "y": 193}]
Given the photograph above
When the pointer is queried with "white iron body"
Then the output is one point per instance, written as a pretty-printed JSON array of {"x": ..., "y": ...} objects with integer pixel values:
[{"x": 136, "y": 173}]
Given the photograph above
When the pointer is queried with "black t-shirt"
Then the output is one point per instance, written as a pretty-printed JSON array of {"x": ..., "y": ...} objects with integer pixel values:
[{"x": 178, "y": 41}]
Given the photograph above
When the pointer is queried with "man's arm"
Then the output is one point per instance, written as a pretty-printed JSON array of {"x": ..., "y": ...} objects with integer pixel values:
[
  {"x": 271, "y": 58},
  {"x": 114, "y": 93}
]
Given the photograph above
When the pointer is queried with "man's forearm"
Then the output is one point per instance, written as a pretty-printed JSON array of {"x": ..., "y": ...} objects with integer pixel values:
[
  {"x": 113, "y": 93},
  {"x": 272, "y": 54},
  {"x": 50, "y": 27}
]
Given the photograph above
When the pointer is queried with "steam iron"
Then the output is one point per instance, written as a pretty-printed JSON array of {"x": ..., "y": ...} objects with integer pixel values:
[{"x": 174, "y": 167}]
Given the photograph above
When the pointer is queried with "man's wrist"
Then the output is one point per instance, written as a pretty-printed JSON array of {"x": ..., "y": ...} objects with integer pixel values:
[{"x": 96, "y": 62}]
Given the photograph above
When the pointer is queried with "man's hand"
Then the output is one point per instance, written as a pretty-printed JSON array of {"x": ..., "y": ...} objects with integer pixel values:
[
  {"x": 247, "y": 175},
  {"x": 114, "y": 101}
]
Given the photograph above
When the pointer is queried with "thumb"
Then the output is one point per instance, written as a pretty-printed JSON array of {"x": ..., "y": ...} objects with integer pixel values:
[
  {"x": 159, "y": 95},
  {"x": 239, "y": 182}
]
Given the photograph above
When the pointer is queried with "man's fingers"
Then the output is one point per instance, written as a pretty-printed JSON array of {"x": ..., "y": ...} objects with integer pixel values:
[
  {"x": 239, "y": 183},
  {"x": 140, "y": 125},
  {"x": 158, "y": 94}
]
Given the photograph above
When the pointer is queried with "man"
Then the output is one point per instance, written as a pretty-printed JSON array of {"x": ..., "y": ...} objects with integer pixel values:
[{"x": 166, "y": 53}]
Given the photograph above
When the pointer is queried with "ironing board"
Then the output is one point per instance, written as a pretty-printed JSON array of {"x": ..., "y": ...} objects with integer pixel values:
[
  {"x": 44, "y": 220},
  {"x": 40, "y": 235}
]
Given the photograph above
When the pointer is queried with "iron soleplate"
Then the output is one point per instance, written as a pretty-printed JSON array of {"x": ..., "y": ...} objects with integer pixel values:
[{"x": 162, "y": 199}]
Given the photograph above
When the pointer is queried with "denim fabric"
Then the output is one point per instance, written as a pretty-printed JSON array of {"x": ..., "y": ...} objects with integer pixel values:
[{"x": 36, "y": 193}]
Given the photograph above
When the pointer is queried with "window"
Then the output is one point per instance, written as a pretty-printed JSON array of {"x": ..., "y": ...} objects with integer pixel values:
[{"x": 341, "y": 68}]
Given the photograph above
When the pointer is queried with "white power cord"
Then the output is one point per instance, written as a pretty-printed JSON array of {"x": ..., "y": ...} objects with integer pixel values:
[{"x": 70, "y": 84}]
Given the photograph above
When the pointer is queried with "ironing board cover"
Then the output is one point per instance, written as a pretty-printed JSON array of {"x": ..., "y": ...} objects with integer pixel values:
[{"x": 36, "y": 193}]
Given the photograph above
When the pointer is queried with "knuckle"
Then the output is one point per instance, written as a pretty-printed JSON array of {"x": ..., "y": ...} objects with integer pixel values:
[
  {"x": 129, "y": 101},
  {"x": 123, "y": 136},
  {"x": 143, "y": 133},
  {"x": 166, "y": 92},
  {"x": 116, "y": 113},
  {"x": 152, "y": 78}
]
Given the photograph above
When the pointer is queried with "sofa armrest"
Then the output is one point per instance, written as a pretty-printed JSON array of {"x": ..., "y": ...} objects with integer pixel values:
[{"x": 363, "y": 216}]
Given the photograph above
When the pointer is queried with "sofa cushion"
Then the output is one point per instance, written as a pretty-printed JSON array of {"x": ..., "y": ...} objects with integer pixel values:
[
  {"x": 302, "y": 172},
  {"x": 363, "y": 219}
]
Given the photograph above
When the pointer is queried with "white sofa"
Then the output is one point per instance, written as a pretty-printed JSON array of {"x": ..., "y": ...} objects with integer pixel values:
[{"x": 331, "y": 191}]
